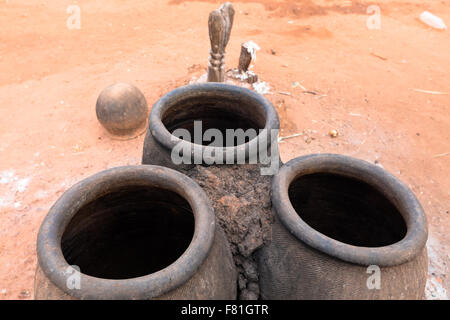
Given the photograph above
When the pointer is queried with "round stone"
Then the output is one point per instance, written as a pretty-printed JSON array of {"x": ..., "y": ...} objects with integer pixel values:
[{"x": 122, "y": 110}]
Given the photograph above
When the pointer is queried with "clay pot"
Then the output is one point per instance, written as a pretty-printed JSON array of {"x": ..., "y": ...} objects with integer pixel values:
[
  {"x": 345, "y": 229},
  {"x": 239, "y": 192},
  {"x": 135, "y": 232},
  {"x": 217, "y": 106}
]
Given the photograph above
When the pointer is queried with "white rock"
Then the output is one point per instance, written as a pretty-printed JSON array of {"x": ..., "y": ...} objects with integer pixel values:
[{"x": 432, "y": 20}]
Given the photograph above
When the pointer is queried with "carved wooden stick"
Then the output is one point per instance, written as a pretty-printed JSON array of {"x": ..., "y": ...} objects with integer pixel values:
[
  {"x": 216, "y": 24},
  {"x": 220, "y": 22},
  {"x": 227, "y": 11}
]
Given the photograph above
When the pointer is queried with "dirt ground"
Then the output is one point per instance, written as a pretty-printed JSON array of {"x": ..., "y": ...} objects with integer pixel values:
[{"x": 365, "y": 84}]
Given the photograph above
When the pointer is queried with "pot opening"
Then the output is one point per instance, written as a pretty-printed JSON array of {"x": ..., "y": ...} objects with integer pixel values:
[
  {"x": 216, "y": 113},
  {"x": 128, "y": 233},
  {"x": 347, "y": 210}
]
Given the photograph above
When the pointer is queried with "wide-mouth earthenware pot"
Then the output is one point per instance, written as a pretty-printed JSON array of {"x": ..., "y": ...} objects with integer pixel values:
[
  {"x": 213, "y": 106},
  {"x": 134, "y": 232},
  {"x": 345, "y": 229}
]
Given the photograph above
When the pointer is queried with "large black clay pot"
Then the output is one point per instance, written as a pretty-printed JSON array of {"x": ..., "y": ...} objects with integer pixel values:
[
  {"x": 135, "y": 232},
  {"x": 345, "y": 229},
  {"x": 240, "y": 191}
]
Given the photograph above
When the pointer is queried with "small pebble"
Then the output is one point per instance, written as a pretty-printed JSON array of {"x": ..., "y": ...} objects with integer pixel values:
[
  {"x": 242, "y": 282},
  {"x": 253, "y": 287},
  {"x": 248, "y": 295}
]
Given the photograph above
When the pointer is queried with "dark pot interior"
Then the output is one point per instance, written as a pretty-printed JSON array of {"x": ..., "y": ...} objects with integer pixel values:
[
  {"x": 132, "y": 232},
  {"x": 215, "y": 113},
  {"x": 347, "y": 210}
]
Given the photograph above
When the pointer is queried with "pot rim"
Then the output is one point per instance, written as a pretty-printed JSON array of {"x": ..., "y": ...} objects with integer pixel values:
[
  {"x": 392, "y": 188},
  {"x": 55, "y": 266},
  {"x": 169, "y": 141}
]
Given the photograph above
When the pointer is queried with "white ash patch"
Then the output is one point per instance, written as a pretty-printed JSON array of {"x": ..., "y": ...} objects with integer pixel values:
[
  {"x": 437, "y": 269},
  {"x": 261, "y": 87},
  {"x": 7, "y": 176},
  {"x": 202, "y": 79},
  {"x": 41, "y": 194},
  {"x": 251, "y": 47},
  {"x": 22, "y": 184},
  {"x": 434, "y": 290},
  {"x": 10, "y": 186}
]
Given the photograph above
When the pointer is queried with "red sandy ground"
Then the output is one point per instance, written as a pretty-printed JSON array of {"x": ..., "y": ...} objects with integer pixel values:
[{"x": 364, "y": 79}]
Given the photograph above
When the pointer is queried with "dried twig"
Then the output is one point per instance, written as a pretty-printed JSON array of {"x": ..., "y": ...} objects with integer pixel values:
[
  {"x": 297, "y": 84},
  {"x": 289, "y": 137},
  {"x": 379, "y": 57},
  {"x": 429, "y": 91},
  {"x": 441, "y": 155}
]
